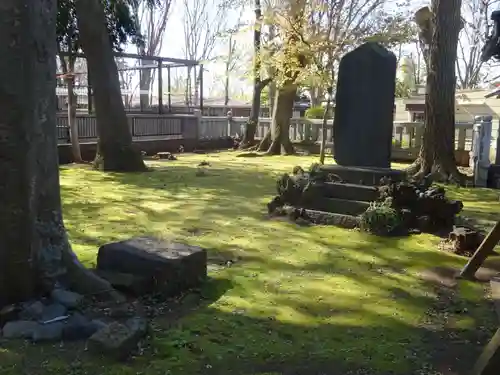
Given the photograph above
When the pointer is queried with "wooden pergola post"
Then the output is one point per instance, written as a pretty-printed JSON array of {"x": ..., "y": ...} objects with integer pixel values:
[{"x": 483, "y": 251}]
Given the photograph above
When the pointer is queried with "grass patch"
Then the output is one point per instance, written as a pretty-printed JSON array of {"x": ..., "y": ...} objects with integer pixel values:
[{"x": 294, "y": 300}]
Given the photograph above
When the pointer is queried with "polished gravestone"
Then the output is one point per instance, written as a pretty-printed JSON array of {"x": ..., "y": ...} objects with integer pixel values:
[{"x": 364, "y": 107}]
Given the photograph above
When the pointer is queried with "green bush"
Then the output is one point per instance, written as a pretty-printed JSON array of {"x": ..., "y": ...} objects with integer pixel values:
[
  {"x": 315, "y": 112},
  {"x": 380, "y": 218}
]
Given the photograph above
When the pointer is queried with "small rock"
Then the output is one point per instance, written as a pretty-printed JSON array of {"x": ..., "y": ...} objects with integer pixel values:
[
  {"x": 48, "y": 332},
  {"x": 79, "y": 327},
  {"x": 32, "y": 310},
  {"x": 19, "y": 329},
  {"x": 138, "y": 325},
  {"x": 52, "y": 311},
  {"x": 121, "y": 311},
  {"x": 116, "y": 340},
  {"x": 99, "y": 324},
  {"x": 8, "y": 314},
  {"x": 67, "y": 298}
]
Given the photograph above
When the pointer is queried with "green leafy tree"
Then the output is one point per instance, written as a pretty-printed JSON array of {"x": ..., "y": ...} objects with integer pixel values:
[{"x": 310, "y": 39}]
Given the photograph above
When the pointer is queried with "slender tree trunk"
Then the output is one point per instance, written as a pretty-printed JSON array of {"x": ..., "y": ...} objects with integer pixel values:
[
  {"x": 280, "y": 126},
  {"x": 115, "y": 150},
  {"x": 72, "y": 120},
  {"x": 258, "y": 85},
  {"x": 34, "y": 248},
  {"x": 68, "y": 68},
  {"x": 253, "y": 120},
  {"x": 437, "y": 154},
  {"x": 145, "y": 84},
  {"x": 326, "y": 115}
]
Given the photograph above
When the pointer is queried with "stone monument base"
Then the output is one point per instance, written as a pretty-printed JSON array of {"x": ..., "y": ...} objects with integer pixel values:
[
  {"x": 364, "y": 175},
  {"x": 494, "y": 176}
]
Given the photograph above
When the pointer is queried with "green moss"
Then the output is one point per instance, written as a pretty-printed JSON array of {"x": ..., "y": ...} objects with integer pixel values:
[{"x": 292, "y": 296}]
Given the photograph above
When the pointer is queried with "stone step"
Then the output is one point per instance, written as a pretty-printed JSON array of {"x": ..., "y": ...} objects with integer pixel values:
[
  {"x": 363, "y": 176},
  {"x": 347, "y": 191},
  {"x": 339, "y": 206},
  {"x": 325, "y": 218}
]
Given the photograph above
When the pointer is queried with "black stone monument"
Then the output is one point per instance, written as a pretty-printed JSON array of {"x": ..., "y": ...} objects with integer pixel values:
[{"x": 364, "y": 107}]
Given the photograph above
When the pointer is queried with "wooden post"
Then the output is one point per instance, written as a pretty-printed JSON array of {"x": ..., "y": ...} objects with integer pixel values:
[
  {"x": 483, "y": 251},
  {"x": 489, "y": 360},
  {"x": 160, "y": 86}
]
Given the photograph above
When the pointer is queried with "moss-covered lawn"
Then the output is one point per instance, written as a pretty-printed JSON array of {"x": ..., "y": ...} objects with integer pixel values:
[{"x": 291, "y": 300}]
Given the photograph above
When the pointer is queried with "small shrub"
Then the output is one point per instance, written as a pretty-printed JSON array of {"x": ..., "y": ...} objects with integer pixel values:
[
  {"x": 380, "y": 218},
  {"x": 315, "y": 112}
]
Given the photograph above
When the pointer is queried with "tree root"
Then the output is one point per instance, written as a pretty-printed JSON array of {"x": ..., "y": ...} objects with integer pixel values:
[
  {"x": 279, "y": 148},
  {"x": 437, "y": 172},
  {"x": 119, "y": 158},
  {"x": 246, "y": 146},
  {"x": 265, "y": 142},
  {"x": 58, "y": 264}
]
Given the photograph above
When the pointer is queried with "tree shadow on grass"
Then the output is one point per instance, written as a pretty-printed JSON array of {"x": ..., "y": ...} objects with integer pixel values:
[{"x": 342, "y": 299}]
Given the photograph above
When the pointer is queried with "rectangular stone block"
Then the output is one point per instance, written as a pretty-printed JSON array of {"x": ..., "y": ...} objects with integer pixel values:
[
  {"x": 364, "y": 176},
  {"x": 174, "y": 267},
  {"x": 338, "y": 206},
  {"x": 348, "y": 191},
  {"x": 364, "y": 107}
]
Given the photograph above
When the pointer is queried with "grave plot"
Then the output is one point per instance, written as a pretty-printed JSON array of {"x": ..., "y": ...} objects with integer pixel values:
[{"x": 388, "y": 207}]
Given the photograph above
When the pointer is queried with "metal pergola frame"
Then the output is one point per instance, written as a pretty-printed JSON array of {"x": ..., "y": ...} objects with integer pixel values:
[{"x": 161, "y": 63}]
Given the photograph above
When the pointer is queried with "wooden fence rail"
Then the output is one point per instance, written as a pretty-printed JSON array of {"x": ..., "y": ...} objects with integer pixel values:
[{"x": 407, "y": 136}]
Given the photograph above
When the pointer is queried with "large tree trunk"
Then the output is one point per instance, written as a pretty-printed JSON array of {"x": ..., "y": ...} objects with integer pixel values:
[
  {"x": 115, "y": 150},
  {"x": 280, "y": 126},
  {"x": 437, "y": 154},
  {"x": 34, "y": 249}
]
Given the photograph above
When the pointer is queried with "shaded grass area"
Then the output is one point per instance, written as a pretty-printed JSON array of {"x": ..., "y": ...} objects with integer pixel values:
[{"x": 282, "y": 299}]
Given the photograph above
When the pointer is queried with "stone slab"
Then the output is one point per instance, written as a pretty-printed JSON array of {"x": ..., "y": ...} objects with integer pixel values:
[
  {"x": 119, "y": 340},
  {"x": 364, "y": 107},
  {"x": 494, "y": 176},
  {"x": 339, "y": 206},
  {"x": 330, "y": 218},
  {"x": 175, "y": 267},
  {"x": 347, "y": 191},
  {"x": 364, "y": 176}
]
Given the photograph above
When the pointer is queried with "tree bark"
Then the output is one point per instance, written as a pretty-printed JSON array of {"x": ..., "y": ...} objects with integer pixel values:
[
  {"x": 437, "y": 153},
  {"x": 72, "y": 120},
  {"x": 282, "y": 113},
  {"x": 323, "y": 128},
  {"x": 253, "y": 120},
  {"x": 115, "y": 150},
  {"x": 69, "y": 70},
  {"x": 34, "y": 249},
  {"x": 258, "y": 85},
  {"x": 145, "y": 83}
]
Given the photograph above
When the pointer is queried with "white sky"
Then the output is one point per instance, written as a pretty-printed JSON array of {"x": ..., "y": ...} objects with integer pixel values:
[
  {"x": 173, "y": 45},
  {"x": 213, "y": 76}
]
